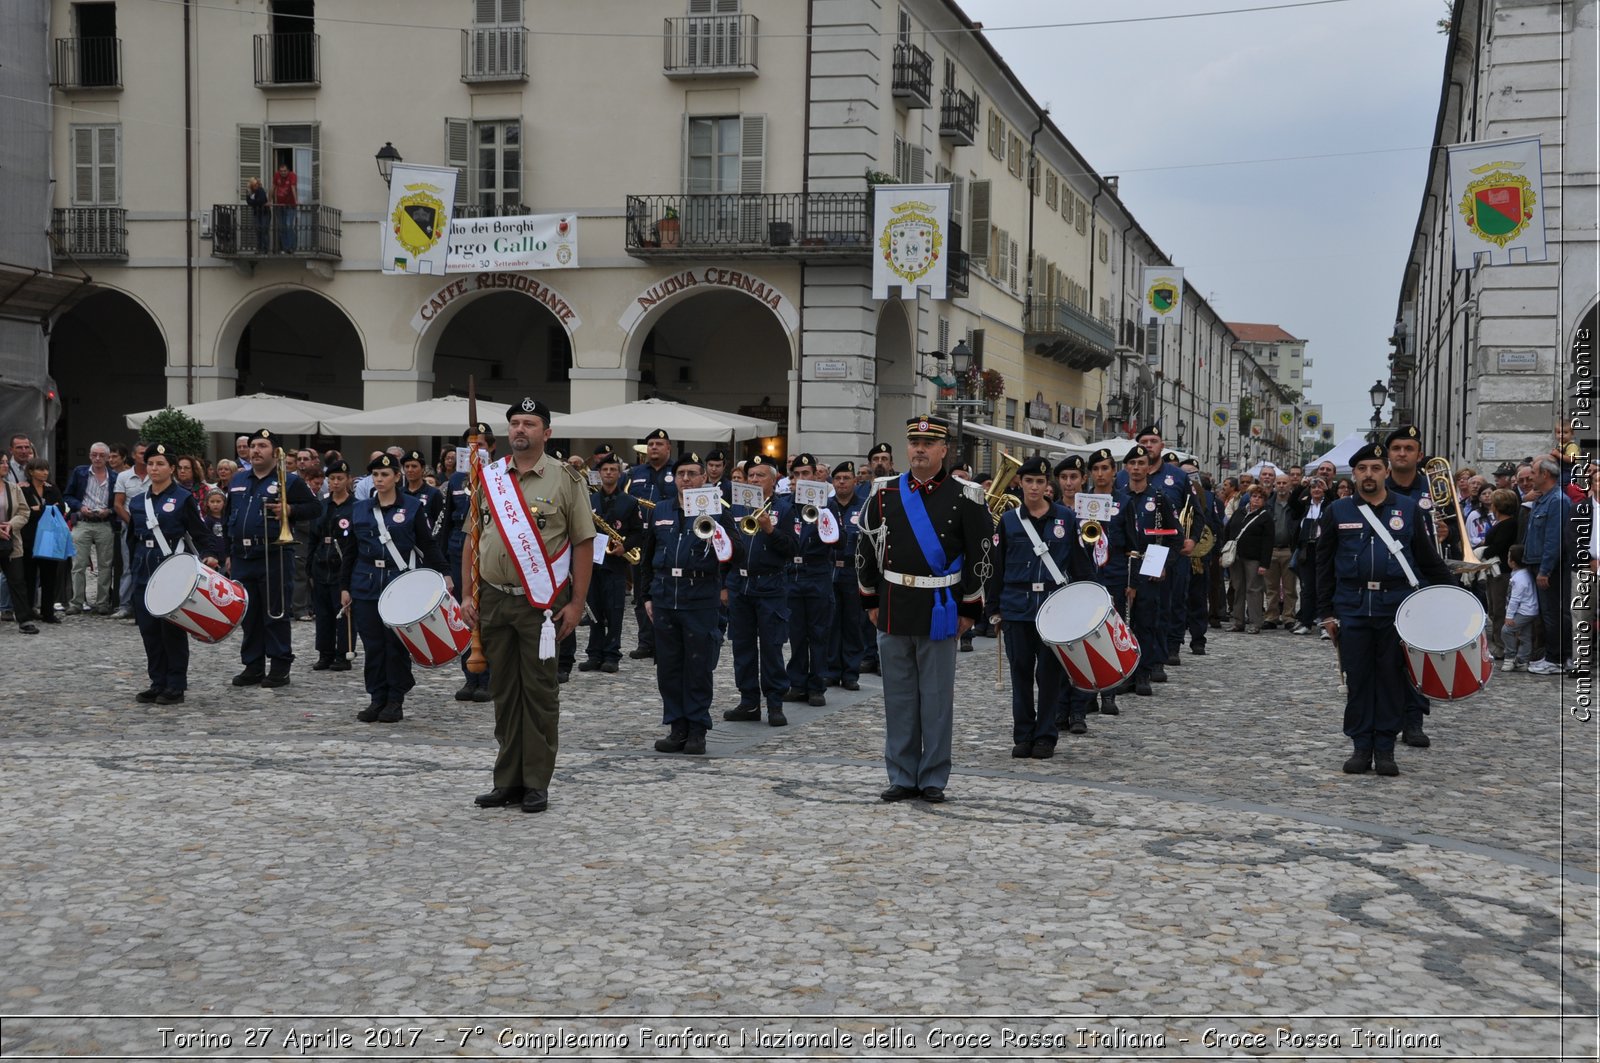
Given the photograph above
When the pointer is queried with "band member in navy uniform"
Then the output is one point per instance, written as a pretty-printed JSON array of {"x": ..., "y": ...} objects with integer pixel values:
[
  {"x": 382, "y": 552},
  {"x": 718, "y": 475},
  {"x": 845, "y": 643},
  {"x": 1072, "y": 706},
  {"x": 683, "y": 589},
  {"x": 608, "y": 588},
  {"x": 1148, "y": 519},
  {"x": 414, "y": 467},
  {"x": 1110, "y": 555},
  {"x": 1403, "y": 449},
  {"x": 458, "y": 500},
  {"x": 252, "y": 518},
  {"x": 330, "y": 542},
  {"x": 1360, "y": 585},
  {"x": 921, "y": 560},
  {"x": 177, "y": 516},
  {"x": 1173, "y": 483},
  {"x": 758, "y": 610},
  {"x": 809, "y": 584},
  {"x": 650, "y": 480},
  {"x": 1037, "y": 553},
  {"x": 1204, "y": 515}
]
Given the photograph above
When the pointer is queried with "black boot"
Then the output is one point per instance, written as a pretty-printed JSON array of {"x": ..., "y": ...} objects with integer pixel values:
[
  {"x": 1360, "y": 762},
  {"x": 1077, "y": 726},
  {"x": 675, "y": 741},
  {"x": 1158, "y": 674},
  {"x": 464, "y": 691},
  {"x": 1108, "y": 705},
  {"x": 371, "y": 712},
  {"x": 278, "y": 676},
  {"x": 249, "y": 677},
  {"x": 392, "y": 713},
  {"x": 340, "y": 664},
  {"x": 696, "y": 744},
  {"x": 1383, "y": 760},
  {"x": 324, "y": 662}
]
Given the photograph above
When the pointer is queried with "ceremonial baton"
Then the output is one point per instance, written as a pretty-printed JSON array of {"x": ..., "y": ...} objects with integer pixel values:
[{"x": 477, "y": 663}]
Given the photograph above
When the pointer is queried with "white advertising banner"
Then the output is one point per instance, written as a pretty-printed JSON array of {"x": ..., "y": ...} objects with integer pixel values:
[
  {"x": 413, "y": 236},
  {"x": 1497, "y": 189},
  {"x": 1163, "y": 292},
  {"x": 812, "y": 493},
  {"x": 514, "y": 244},
  {"x": 910, "y": 230}
]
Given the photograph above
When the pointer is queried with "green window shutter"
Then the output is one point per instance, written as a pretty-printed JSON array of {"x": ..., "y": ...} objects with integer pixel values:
[
  {"x": 316, "y": 166},
  {"x": 108, "y": 164},
  {"x": 457, "y": 153},
  {"x": 978, "y": 230},
  {"x": 250, "y": 155},
  {"x": 753, "y": 153},
  {"x": 82, "y": 165}
]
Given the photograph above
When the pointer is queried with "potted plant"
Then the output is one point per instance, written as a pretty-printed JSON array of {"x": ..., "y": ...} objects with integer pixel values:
[{"x": 668, "y": 230}]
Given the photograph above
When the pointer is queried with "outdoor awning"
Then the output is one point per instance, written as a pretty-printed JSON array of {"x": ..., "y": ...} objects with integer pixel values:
[
  {"x": 1022, "y": 441},
  {"x": 444, "y": 416},
  {"x": 37, "y": 295},
  {"x": 246, "y": 413},
  {"x": 646, "y": 415}
]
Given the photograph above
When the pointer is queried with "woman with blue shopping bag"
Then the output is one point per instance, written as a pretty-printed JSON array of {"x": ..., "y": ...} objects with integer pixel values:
[{"x": 46, "y": 542}]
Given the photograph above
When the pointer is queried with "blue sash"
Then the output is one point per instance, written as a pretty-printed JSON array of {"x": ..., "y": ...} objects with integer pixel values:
[{"x": 945, "y": 623}]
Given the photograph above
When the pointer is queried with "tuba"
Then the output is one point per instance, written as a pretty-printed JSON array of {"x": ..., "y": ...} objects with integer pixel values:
[
  {"x": 1447, "y": 506},
  {"x": 996, "y": 498}
]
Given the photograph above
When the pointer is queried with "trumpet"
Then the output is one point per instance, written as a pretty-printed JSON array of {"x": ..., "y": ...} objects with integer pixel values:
[
  {"x": 705, "y": 526},
  {"x": 750, "y": 524},
  {"x": 809, "y": 513},
  {"x": 1090, "y": 531},
  {"x": 630, "y": 556},
  {"x": 1447, "y": 504},
  {"x": 285, "y": 536}
]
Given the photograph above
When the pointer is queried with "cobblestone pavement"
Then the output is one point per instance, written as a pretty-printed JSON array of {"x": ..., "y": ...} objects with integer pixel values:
[{"x": 1198, "y": 862}]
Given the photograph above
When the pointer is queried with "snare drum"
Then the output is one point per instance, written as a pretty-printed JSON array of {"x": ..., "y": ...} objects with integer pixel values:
[
  {"x": 202, "y": 601},
  {"x": 1443, "y": 632},
  {"x": 425, "y": 616},
  {"x": 1096, "y": 647}
]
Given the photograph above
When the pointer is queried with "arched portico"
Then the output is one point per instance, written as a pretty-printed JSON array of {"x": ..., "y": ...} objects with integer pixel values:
[{"x": 108, "y": 357}]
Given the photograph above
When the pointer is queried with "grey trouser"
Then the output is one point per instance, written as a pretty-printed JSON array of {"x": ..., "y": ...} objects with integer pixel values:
[
  {"x": 98, "y": 537},
  {"x": 919, "y": 690},
  {"x": 1247, "y": 587}
]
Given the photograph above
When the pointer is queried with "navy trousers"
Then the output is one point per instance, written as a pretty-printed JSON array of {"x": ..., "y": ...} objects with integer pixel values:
[
  {"x": 647, "y": 631},
  {"x": 1196, "y": 607},
  {"x": 333, "y": 630},
  {"x": 758, "y": 628},
  {"x": 810, "y": 619},
  {"x": 608, "y": 597},
  {"x": 1033, "y": 666},
  {"x": 686, "y": 652},
  {"x": 263, "y": 637},
  {"x": 1144, "y": 617},
  {"x": 388, "y": 665},
  {"x": 846, "y": 647},
  {"x": 1374, "y": 669},
  {"x": 1175, "y": 605},
  {"x": 166, "y": 647}
]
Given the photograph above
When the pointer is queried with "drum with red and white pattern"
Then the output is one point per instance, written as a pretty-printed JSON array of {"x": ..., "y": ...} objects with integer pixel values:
[
  {"x": 202, "y": 601},
  {"x": 1443, "y": 631},
  {"x": 426, "y": 617},
  {"x": 1093, "y": 643}
]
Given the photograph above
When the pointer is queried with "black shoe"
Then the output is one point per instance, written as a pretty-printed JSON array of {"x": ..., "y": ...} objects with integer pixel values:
[
  {"x": 776, "y": 718},
  {"x": 1020, "y": 750},
  {"x": 482, "y": 694},
  {"x": 966, "y": 643},
  {"x": 695, "y": 746},
  {"x": 148, "y": 697},
  {"x": 1199, "y": 649},
  {"x": 1077, "y": 727},
  {"x": 589, "y": 666},
  {"x": 170, "y": 697},
  {"x": 1270, "y": 625},
  {"x": 1216, "y": 625},
  {"x": 898, "y": 793},
  {"x": 1360, "y": 762},
  {"x": 499, "y": 797},
  {"x": 795, "y": 694},
  {"x": 392, "y": 713},
  {"x": 609, "y": 667},
  {"x": 1173, "y": 658},
  {"x": 830, "y": 682},
  {"x": 535, "y": 801},
  {"x": 277, "y": 677},
  {"x": 1413, "y": 736},
  {"x": 1383, "y": 761},
  {"x": 1108, "y": 705},
  {"x": 340, "y": 664},
  {"x": 371, "y": 713},
  {"x": 249, "y": 677},
  {"x": 817, "y": 700},
  {"x": 1043, "y": 749},
  {"x": 1158, "y": 674},
  {"x": 676, "y": 739},
  {"x": 465, "y": 691},
  {"x": 1141, "y": 687},
  {"x": 745, "y": 711},
  {"x": 49, "y": 618},
  {"x": 849, "y": 684},
  {"x": 934, "y": 795},
  {"x": 641, "y": 655},
  {"x": 870, "y": 668},
  {"x": 324, "y": 662},
  {"x": 564, "y": 675}
]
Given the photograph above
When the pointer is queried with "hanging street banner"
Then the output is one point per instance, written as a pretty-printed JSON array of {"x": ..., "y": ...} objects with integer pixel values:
[
  {"x": 1497, "y": 193},
  {"x": 1221, "y": 417},
  {"x": 910, "y": 225},
  {"x": 418, "y": 219},
  {"x": 1163, "y": 292},
  {"x": 1327, "y": 433},
  {"x": 517, "y": 243},
  {"x": 1312, "y": 418},
  {"x": 1286, "y": 418}
]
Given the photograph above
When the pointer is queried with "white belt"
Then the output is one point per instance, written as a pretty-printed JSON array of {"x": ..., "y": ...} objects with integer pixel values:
[
  {"x": 1037, "y": 586},
  {"x": 247, "y": 542},
  {"x": 744, "y": 572},
  {"x": 924, "y": 582},
  {"x": 676, "y": 571},
  {"x": 838, "y": 564},
  {"x": 380, "y": 563}
]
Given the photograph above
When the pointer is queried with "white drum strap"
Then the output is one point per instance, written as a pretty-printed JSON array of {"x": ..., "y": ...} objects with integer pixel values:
[
  {"x": 1388, "y": 540},
  {"x": 383, "y": 535},
  {"x": 155, "y": 528},
  {"x": 1040, "y": 549}
]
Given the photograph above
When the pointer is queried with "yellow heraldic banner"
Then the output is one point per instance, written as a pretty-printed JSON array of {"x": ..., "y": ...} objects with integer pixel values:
[
  {"x": 1497, "y": 201},
  {"x": 910, "y": 239},
  {"x": 417, "y": 226},
  {"x": 1163, "y": 292}
]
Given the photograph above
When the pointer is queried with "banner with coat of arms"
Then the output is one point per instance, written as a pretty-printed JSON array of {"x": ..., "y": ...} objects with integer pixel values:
[
  {"x": 418, "y": 220},
  {"x": 1497, "y": 201},
  {"x": 1311, "y": 418},
  {"x": 1221, "y": 416},
  {"x": 1163, "y": 292},
  {"x": 910, "y": 227}
]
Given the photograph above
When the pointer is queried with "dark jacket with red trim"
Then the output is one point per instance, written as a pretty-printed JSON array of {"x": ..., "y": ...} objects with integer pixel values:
[{"x": 965, "y": 530}]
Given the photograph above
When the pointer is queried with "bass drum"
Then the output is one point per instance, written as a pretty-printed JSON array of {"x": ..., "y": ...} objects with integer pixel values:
[
  {"x": 1444, "y": 633},
  {"x": 1094, "y": 644},
  {"x": 202, "y": 601},
  {"x": 416, "y": 606}
]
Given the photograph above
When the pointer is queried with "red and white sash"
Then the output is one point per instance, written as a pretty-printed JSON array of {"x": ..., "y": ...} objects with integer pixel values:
[{"x": 542, "y": 577}]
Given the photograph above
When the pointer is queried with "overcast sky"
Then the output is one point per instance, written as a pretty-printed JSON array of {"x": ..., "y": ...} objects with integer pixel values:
[{"x": 1181, "y": 110}]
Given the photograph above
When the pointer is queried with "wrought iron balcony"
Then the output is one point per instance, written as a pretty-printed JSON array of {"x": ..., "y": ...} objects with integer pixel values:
[
  {"x": 1057, "y": 329},
  {"x": 700, "y": 46},
  {"x": 240, "y": 231},
  {"x": 494, "y": 53},
  {"x": 957, "y": 273},
  {"x": 913, "y": 76},
  {"x": 835, "y": 226},
  {"x": 88, "y": 63},
  {"x": 958, "y": 117},
  {"x": 478, "y": 210},
  {"x": 288, "y": 59},
  {"x": 89, "y": 232}
]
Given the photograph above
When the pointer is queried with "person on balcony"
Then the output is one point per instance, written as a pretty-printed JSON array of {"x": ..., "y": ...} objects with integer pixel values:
[
  {"x": 255, "y": 198},
  {"x": 285, "y": 200}
]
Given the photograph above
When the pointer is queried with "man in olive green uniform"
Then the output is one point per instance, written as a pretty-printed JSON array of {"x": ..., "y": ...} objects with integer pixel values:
[{"x": 526, "y": 600}]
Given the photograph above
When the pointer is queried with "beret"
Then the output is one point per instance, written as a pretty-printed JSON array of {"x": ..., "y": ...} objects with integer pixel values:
[{"x": 531, "y": 405}]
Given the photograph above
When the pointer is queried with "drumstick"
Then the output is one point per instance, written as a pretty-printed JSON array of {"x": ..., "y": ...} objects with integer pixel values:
[
  {"x": 999, "y": 662},
  {"x": 477, "y": 663},
  {"x": 1338, "y": 661},
  {"x": 349, "y": 633}
]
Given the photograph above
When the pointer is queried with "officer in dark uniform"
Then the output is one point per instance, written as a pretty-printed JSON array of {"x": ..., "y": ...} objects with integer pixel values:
[
  {"x": 1148, "y": 519},
  {"x": 371, "y": 567},
  {"x": 683, "y": 588},
  {"x": 718, "y": 475},
  {"x": 1038, "y": 542},
  {"x": 608, "y": 585},
  {"x": 415, "y": 469},
  {"x": 1204, "y": 515},
  {"x": 758, "y": 610},
  {"x": 458, "y": 501},
  {"x": 1360, "y": 585},
  {"x": 1072, "y": 706},
  {"x": 650, "y": 480},
  {"x": 1173, "y": 483},
  {"x": 1403, "y": 449},
  {"x": 172, "y": 508},
  {"x": 845, "y": 644},
  {"x": 881, "y": 460},
  {"x": 809, "y": 583},
  {"x": 252, "y": 520},
  {"x": 330, "y": 541},
  {"x": 1110, "y": 560}
]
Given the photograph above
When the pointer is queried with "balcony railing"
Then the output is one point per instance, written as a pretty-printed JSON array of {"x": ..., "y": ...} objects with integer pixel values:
[
  {"x": 494, "y": 53},
  {"x": 89, "y": 232},
  {"x": 240, "y": 231},
  {"x": 709, "y": 46},
  {"x": 479, "y": 210},
  {"x": 958, "y": 117},
  {"x": 818, "y": 225},
  {"x": 88, "y": 63},
  {"x": 288, "y": 59},
  {"x": 913, "y": 75},
  {"x": 1057, "y": 329}
]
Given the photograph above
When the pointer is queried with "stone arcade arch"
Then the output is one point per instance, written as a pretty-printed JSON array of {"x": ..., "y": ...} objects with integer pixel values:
[
  {"x": 108, "y": 357},
  {"x": 896, "y": 355},
  {"x": 292, "y": 340},
  {"x": 511, "y": 330}
]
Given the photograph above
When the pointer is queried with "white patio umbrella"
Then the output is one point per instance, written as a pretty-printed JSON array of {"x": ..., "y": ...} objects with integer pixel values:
[
  {"x": 444, "y": 416},
  {"x": 646, "y": 415},
  {"x": 1023, "y": 442},
  {"x": 246, "y": 413},
  {"x": 1120, "y": 447},
  {"x": 1340, "y": 455}
]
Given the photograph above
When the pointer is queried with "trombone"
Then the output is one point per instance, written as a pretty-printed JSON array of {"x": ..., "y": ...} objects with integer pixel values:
[
  {"x": 285, "y": 537},
  {"x": 1447, "y": 505}
]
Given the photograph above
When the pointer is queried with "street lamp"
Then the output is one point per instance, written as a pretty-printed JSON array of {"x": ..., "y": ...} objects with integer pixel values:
[
  {"x": 1181, "y": 428},
  {"x": 960, "y": 362},
  {"x": 386, "y": 158},
  {"x": 1379, "y": 394},
  {"x": 1222, "y": 447},
  {"x": 1116, "y": 408}
]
